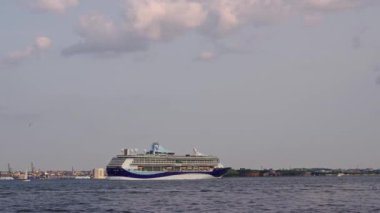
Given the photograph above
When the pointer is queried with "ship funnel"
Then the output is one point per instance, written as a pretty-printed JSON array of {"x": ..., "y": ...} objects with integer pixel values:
[{"x": 196, "y": 152}]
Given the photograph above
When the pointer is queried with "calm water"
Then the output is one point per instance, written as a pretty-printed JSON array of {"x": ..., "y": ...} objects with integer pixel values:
[{"x": 277, "y": 194}]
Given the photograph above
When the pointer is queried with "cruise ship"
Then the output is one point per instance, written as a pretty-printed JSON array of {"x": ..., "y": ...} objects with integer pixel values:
[{"x": 161, "y": 164}]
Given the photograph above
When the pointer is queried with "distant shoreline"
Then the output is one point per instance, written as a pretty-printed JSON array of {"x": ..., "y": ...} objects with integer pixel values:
[
  {"x": 299, "y": 172},
  {"x": 242, "y": 172}
]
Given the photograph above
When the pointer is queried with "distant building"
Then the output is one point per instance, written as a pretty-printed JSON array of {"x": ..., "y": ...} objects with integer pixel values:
[
  {"x": 253, "y": 174},
  {"x": 99, "y": 173}
]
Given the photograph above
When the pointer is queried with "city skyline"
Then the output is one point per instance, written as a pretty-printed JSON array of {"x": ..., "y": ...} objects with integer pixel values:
[{"x": 273, "y": 84}]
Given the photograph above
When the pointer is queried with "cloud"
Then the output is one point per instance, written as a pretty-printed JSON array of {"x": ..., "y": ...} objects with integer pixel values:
[
  {"x": 329, "y": 5},
  {"x": 55, "y": 6},
  {"x": 146, "y": 22},
  {"x": 314, "y": 10},
  {"x": 41, "y": 43},
  {"x": 101, "y": 35},
  {"x": 206, "y": 56},
  {"x": 226, "y": 16},
  {"x": 157, "y": 19}
]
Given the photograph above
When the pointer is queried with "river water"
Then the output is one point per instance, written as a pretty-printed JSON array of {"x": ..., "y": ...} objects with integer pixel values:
[{"x": 258, "y": 194}]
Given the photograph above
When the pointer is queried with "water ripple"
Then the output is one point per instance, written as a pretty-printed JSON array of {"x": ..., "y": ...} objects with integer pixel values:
[{"x": 271, "y": 194}]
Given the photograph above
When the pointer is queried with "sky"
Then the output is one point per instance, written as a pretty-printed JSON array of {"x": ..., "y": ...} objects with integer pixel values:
[{"x": 258, "y": 83}]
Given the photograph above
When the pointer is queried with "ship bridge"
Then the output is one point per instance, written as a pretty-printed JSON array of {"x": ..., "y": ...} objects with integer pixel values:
[{"x": 156, "y": 148}]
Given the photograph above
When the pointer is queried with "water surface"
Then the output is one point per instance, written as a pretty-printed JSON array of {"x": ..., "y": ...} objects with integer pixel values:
[{"x": 265, "y": 194}]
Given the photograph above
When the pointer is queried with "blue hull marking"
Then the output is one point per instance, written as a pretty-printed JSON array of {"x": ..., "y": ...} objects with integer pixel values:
[{"x": 120, "y": 172}]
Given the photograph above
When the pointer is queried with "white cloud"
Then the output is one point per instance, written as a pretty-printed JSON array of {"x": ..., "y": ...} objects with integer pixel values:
[
  {"x": 41, "y": 43},
  {"x": 145, "y": 21},
  {"x": 206, "y": 56},
  {"x": 101, "y": 35},
  {"x": 96, "y": 27},
  {"x": 56, "y": 6},
  {"x": 158, "y": 19},
  {"x": 149, "y": 21},
  {"x": 333, "y": 4},
  {"x": 229, "y": 15}
]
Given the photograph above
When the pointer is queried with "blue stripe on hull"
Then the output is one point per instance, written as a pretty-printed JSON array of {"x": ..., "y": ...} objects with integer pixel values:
[{"x": 120, "y": 172}]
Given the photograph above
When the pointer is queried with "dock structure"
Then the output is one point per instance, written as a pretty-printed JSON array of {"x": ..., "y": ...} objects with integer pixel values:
[{"x": 99, "y": 173}]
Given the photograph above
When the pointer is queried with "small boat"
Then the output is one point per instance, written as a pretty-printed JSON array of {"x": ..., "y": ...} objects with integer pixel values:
[
  {"x": 82, "y": 177},
  {"x": 340, "y": 174},
  {"x": 6, "y": 178},
  {"x": 25, "y": 178}
]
